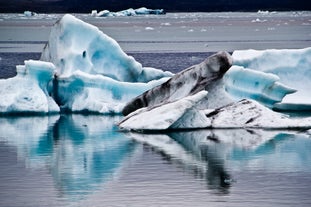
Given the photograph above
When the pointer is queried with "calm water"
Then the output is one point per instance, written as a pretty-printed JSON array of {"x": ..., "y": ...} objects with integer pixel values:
[{"x": 76, "y": 160}]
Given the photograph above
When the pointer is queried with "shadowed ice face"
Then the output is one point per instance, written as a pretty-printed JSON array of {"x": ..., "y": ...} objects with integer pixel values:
[{"x": 219, "y": 63}]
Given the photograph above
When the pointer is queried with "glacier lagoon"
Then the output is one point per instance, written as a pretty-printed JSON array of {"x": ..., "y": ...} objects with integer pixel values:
[{"x": 203, "y": 161}]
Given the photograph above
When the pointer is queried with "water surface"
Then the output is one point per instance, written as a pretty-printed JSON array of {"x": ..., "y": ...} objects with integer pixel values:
[{"x": 86, "y": 161}]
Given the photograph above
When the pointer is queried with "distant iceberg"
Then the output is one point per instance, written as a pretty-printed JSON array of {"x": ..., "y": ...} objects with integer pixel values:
[
  {"x": 127, "y": 12},
  {"x": 30, "y": 13}
]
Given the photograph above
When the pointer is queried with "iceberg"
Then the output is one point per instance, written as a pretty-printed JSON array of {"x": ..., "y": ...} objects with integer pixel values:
[
  {"x": 187, "y": 82},
  {"x": 239, "y": 97},
  {"x": 265, "y": 88},
  {"x": 29, "y": 91},
  {"x": 165, "y": 116},
  {"x": 30, "y": 13},
  {"x": 81, "y": 69},
  {"x": 185, "y": 114},
  {"x": 127, "y": 12},
  {"x": 92, "y": 72},
  {"x": 292, "y": 66},
  {"x": 225, "y": 84}
]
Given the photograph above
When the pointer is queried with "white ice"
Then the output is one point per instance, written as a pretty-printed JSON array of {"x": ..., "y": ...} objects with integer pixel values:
[
  {"x": 265, "y": 88},
  {"x": 93, "y": 72},
  {"x": 292, "y": 66},
  {"x": 29, "y": 90},
  {"x": 178, "y": 114},
  {"x": 185, "y": 114},
  {"x": 127, "y": 12}
]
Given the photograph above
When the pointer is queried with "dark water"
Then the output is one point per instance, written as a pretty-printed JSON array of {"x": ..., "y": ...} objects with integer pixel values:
[
  {"x": 173, "y": 62},
  {"x": 76, "y": 160},
  {"x": 8, "y": 62}
]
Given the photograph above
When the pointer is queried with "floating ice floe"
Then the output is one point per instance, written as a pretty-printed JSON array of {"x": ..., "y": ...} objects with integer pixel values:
[
  {"x": 292, "y": 66},
  {"x": 128, "y": 12}
]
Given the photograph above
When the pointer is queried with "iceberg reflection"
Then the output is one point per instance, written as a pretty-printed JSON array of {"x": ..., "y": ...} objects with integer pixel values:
[
  {"x": 83, "y": 153},
  {"x": 80, "y": 152},
  {"x": 213, "y": 155}
]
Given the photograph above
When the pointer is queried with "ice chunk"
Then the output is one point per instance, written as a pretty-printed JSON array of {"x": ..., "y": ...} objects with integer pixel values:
[
  {"x": 83, "y": 92},
  {"x": 93, "y": 72},
  {"x": 250, "y": 114},
  {"x": 28, "y": 91},
  {"x": 75, "y": 45},
  {"x": 128, "y": 12},
  {"x": 242, "y": 114},
  {"x": 263, "y": 87},
  {"x": 292, "y": 66},
  {"x": 179, "y": 114},
  {"x": 144, "y": 10},
  {"x": 224, "y": 87},
  {"x": 29, "y": 13},
  {"x": 187, "y": 82}
]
